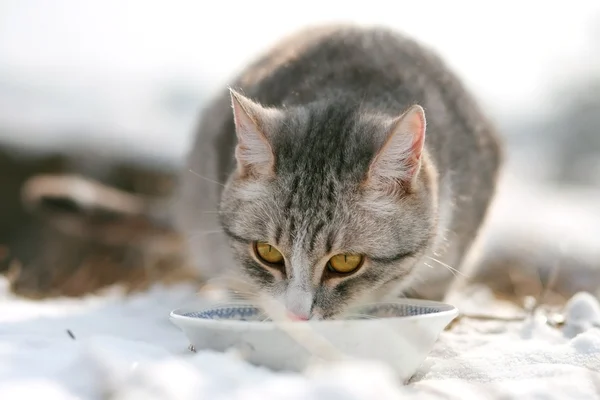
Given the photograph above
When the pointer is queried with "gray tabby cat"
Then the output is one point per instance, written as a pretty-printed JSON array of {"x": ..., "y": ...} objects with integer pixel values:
[{"x": 337, "y": 190}]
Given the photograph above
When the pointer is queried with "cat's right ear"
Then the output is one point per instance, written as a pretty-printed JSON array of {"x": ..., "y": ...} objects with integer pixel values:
[
  {"x": 398, "y": 162},
  {"x": 253, "y": 152}
]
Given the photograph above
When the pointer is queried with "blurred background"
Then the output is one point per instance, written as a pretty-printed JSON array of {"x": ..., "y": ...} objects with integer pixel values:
[{"x": 110, "y": 91}]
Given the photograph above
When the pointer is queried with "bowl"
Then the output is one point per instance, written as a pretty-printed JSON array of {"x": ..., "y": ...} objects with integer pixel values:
[{"x": 400, "y": 334}]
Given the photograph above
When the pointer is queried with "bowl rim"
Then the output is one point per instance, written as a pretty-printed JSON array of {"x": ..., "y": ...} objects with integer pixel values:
[{"x": 447, "y": 310}]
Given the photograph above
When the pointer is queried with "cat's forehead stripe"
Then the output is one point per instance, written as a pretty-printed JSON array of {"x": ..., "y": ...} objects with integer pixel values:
[
  {"x": 329, "y": 243},
  {"x": 318, "y": 228},
  {"x": 310, "y": 206},
  {"x": 278, "y": 233}
]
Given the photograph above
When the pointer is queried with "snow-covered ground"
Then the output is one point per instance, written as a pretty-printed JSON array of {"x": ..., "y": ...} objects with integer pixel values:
[{"x": 126, "y": 348}]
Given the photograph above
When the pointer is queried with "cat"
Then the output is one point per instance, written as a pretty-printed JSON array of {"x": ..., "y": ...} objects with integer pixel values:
[{"x": 348, "y": 165}]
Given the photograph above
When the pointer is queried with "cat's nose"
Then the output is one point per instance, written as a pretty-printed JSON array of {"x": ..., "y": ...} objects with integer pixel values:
[
  {"x": 298, "y": 301},
  {"x": 296, "y": 317}
]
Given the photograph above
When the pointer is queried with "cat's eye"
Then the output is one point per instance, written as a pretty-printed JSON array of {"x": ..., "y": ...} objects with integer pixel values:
[
  {"x": 268, "y": 253},
  {"x": 344, "y": 263}
]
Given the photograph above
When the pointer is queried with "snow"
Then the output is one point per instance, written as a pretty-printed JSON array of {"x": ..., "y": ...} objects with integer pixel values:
[
  {"x": 124, "y": 347},
  {"x": 582, "y": 313}
]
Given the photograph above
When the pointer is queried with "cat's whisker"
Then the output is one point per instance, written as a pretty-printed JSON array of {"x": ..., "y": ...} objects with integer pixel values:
[
  {"x": 262, "y": 317},
  {"x": 233, "y": 293},
  {"x": 431, "y": 266},
  {"x": 205, "y": 178},
  {"x": 246, "y": 297},
  {"x": 235, "y": 280},
  {"x": 451, "y": 269},
  {"x": 237, "y": 288}
]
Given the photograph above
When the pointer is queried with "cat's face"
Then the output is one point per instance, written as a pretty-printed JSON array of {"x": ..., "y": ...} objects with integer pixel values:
[{"x": 327, "y": 208}]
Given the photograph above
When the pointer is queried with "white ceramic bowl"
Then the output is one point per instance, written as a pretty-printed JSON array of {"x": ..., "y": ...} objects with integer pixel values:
[{"x": 400, "y": 334}]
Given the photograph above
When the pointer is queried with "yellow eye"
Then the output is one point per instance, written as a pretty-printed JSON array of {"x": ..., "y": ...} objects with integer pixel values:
[
  {"x": 268, "y": 253},
  {"x": 344, "y": 263}
]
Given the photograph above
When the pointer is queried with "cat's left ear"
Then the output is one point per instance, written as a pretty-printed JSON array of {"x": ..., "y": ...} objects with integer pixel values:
[
  {"x": 253, "y": 152},
  {"x": 399, "y": 160}
]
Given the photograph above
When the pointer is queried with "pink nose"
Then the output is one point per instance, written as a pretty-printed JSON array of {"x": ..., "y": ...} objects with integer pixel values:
[{"x": 295, "y": 317}]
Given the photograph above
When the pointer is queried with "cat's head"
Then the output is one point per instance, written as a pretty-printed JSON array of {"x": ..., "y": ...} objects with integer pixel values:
[{"x": 329, "y": 205}]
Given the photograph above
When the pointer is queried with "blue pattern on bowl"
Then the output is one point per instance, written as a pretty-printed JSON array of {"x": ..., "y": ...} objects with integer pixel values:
[
  {"x": 391, "y": 310},
  {"x": 250, "y": 313},
  {"x": 238, "y": 313}
]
